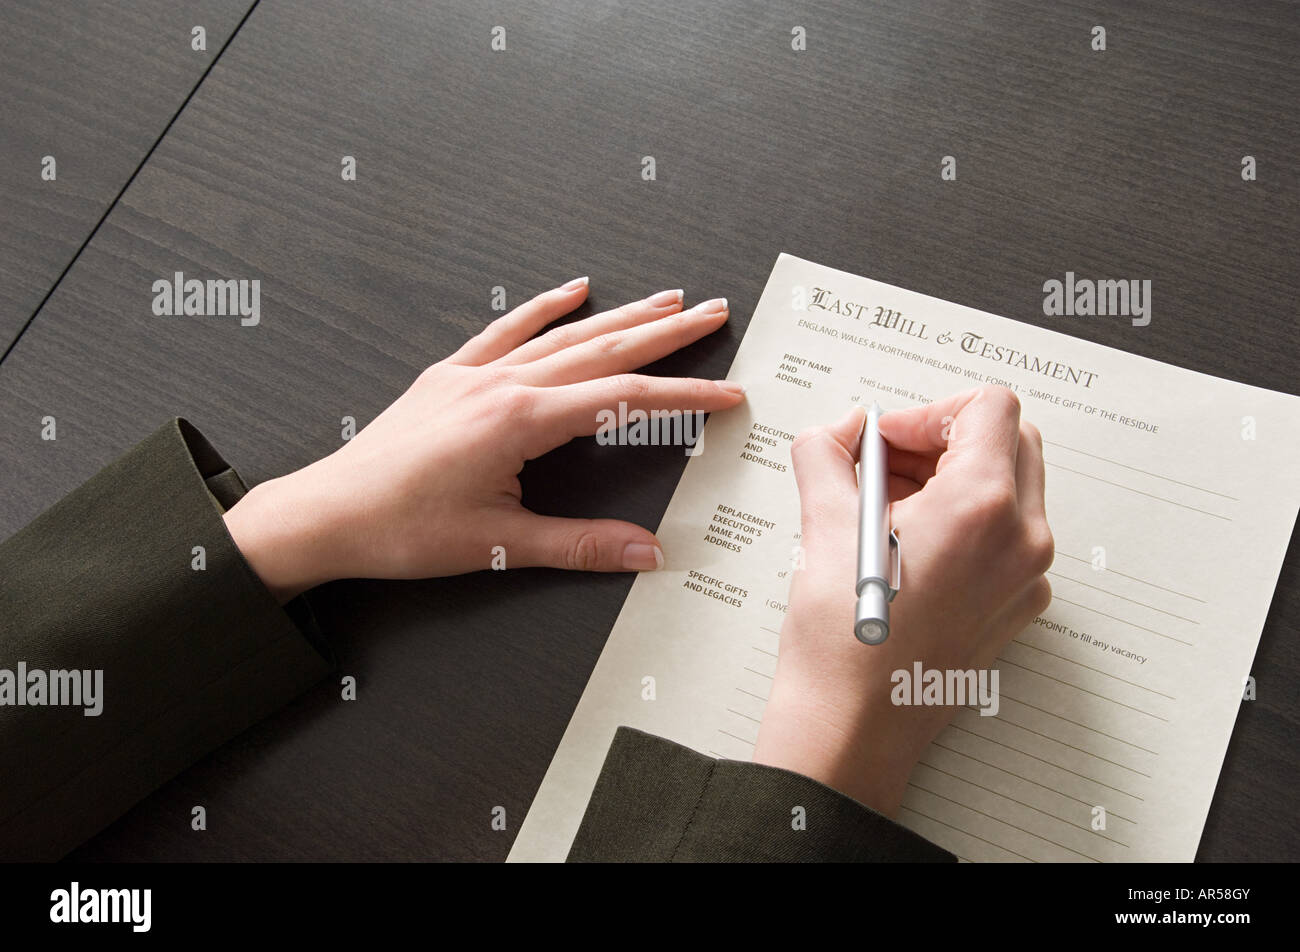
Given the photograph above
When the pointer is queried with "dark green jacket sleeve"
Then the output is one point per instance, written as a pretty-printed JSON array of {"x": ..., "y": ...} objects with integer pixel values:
[
  {"x": 107, "y": 581},
  {"x": 656, "y": 801}
]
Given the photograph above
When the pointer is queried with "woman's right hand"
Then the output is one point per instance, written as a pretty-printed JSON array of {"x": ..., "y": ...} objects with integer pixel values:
[{"x": 966, "y": 485}]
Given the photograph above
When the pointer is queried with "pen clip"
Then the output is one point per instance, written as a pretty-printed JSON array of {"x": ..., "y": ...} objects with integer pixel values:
[{"x": 895, "y": 564}]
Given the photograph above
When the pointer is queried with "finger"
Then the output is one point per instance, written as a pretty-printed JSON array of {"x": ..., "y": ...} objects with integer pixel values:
[
  {"x": 621, "y": 351},
  {"x": 978, "y": 429},
  {"x": 924, "y": 429},
  {"x": 915, "y": 467},
  {"x": 900, "y": 487},
  {"x": 567, "y": 335},
  {"x": 1030, "y": 476},
  {"x": 581, "y": 409},
  {"x": 583, "y": 545},
  {"x": 512, "y": 329},
  {"x": 824, "y": 460}
]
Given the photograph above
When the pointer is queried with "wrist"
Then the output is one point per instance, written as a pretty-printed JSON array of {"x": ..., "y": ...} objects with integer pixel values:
[
  {"x": 859, "y": 745},
  {"x": 283, "y": 536}
]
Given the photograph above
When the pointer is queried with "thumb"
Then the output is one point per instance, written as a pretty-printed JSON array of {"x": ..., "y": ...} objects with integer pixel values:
[{"x": 583, "y": 545}]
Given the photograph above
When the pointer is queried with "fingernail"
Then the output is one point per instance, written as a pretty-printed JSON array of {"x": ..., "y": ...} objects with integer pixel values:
[
  {"x": 716, "y": 306},
  {"x": 730, "y": 386},
  {"x": 664, "y": 298},
  {"x": 639, "y": 557},
  {"x": 575, "y": 284}
]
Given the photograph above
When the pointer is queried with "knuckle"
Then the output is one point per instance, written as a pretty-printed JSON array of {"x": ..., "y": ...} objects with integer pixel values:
[
  {"x": 584, "y": 552},
  {"x": 516, "y": 400},
  {"x": 607, "y": 344},
  {"x": 1041, "y": 595},
  {"x": 558, "y": 338},
  {"x": 633, "y": 387},
  {"x": 1031, "y": 433},
  {"x": 492, "y": 377},
  {"x": 701, "y": 390},
  {"x": 993, "y": 504},
  {"x": 1040, "y": 546}
]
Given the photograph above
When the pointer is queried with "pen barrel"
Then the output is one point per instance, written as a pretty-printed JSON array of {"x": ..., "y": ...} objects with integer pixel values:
[
  {"x": 871, "y": 620},
  {"x": 873, "y": 498}
]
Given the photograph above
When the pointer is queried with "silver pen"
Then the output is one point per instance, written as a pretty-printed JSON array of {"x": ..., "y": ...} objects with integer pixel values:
[{"x": 879, "y": 556}]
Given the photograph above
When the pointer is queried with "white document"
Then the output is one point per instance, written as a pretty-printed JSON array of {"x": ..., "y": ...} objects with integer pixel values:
[{"x": 1171, "y": 496}]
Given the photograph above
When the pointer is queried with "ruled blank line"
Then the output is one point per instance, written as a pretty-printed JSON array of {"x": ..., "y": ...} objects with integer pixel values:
[
  {"x": 759, "y": 673},
  {"x": 1091, "y": 668},
  {"x": 746, "y": 716},
  {"x": 1071, "y": 684},
  {"x": 1038, "y": 836},
  {"x": 1030, "y": 730},
  {"x": 1007, "y": 697},
  {"x": 1204, "y": 512},
  {"x": 1124, "y": 597},
  {"x": 968, "y": 833},
  {"x": 752, "y": 694},
  {"x": 1012, "y": 773},
  {"x": 741, "y": 739},
  {"x": 1142, "y": 471},
  {"x": 1049, "y": 763},
  {"x": 1134, "y": 578},
  {"x": 1028, "y": 806},
  {"x": 1098, "y": 611},
  {"x": 764, "y": 650}
]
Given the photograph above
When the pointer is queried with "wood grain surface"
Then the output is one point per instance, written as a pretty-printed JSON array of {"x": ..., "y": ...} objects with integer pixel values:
[
  {"x": 92, "y": 84},
  {"x": 522, "y": 169}
]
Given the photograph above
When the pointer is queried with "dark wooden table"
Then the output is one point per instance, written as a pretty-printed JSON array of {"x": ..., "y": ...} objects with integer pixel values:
[
  {"x": 522, "y": 168},
  {"x": 92, "y": 85}
]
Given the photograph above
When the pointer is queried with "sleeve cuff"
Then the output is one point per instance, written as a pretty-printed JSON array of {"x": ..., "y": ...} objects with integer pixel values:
[
  {"x": 226, "y": 488},
  {"x": 191, "y": 653},
  {"x": 657, "y": 801}
]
